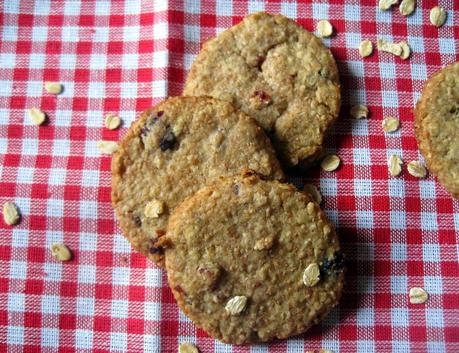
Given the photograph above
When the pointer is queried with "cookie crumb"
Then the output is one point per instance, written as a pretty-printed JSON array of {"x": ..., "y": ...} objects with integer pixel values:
[
  {"x": 407, "y": 7},
  {"x": 313, "y": 192},
  {"x": 311, "y": 275},
  {"x": 61, "y": 252},
  {"x": 53, "y": 87},
  {"x": 154, "y": 208},
  {"x": 107, "y": 147},
  {"x": 438, "y": 16},
  {"x": 418, "y": 295},
  {"x": 37, "y": 116},
  {"x": 386, "y": 4},
  {"x": 395, "y": 165},
  {"x": 188, "y": 348},
  {"x": 324, "y": 29},
  {"x": 359, "y": 111},
  {"x": 11, "y": 213},
  {"x": 236, "y": 305},
  {"x": 416, "y": 169},
  {"x": 390, "y": 124},
  {"x": 330, "y": 163},
  {"x": 112, "y": 122},
  {"x": 365, "y": 48}
]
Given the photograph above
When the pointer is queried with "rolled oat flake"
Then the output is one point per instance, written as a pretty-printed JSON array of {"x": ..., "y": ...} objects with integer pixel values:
[
  {"x": 53, "y": 87},
  {"x": 416, "y": 169},
  {"x": 61, "y": 252},
  {"x": 236, "y": 305},
  {"x": 330, "y": 163},
  {"x": 11, "y": 213},
  {"x": 365, "y": 48},
  {"x": 390, "y": 124},
  {"x": 324, "y": 28},
  {"x": 395, "y": 165},
  {"x": 188, "y": 348},
  {"x": 438, "y": 16},
  {"x": 407, "y": 7},
  {"x": 418, "y": 295}
]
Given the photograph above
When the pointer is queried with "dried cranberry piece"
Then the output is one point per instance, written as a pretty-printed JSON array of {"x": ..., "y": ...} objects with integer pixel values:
[
  {"x": 168, "y": 141},
  {"x": 262, "y": 95},
  {"x": 137, "y": 221}
]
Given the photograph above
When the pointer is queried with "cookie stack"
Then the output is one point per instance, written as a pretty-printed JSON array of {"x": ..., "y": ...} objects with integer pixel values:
[{"x": 197, "y": 185}]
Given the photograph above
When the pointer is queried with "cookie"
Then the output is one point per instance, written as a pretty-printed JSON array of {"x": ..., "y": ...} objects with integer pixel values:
[
  {"x": 173, "y": 150},
  {"x": 437, "y": 126},
  {"x": 278, "y": 73},
  {"x": 251, "y": 260}
]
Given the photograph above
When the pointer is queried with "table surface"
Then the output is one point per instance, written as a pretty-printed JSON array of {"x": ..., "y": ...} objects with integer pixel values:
[{"x": 122, "y": 57}]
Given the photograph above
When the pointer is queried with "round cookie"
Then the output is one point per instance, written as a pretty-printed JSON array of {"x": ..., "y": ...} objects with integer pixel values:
[
  {"x": 437, "y": 126},
  {"x": 278, "y": 73},
  {"x": 251, "y": 260},
  {"x": 173, "y": 150}
]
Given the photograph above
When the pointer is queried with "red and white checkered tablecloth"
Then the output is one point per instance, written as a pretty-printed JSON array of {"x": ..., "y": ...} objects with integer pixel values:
[{"x": 123, "y": 56}]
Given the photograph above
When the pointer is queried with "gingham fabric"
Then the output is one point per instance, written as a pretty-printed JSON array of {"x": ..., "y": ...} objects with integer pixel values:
[{"x": 121, "y": 57}]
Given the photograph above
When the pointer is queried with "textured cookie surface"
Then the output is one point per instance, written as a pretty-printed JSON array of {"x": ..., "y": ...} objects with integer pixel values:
[
  {"x": 437, "y": 126},
  {"x": 173, "y": 150},
  {"x": 278, "y": 73},
  {"x": 236, "y": 254}
]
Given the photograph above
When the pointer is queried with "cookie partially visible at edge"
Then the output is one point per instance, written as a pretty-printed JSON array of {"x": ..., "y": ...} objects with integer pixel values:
[
  {"x": 173, "y": 150},
  {"x": 437, "y": 126},
  {"x": 277, "y": 72},
  {"x": 251, "y": 260}
]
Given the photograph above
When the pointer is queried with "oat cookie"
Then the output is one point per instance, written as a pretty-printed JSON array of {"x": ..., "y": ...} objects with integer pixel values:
[
  {"x": 238, "y": 291},
  {"x": 277, "y": 72},
  {"x": 173, "y": 150},
  {"x": 437, "y": 126}
]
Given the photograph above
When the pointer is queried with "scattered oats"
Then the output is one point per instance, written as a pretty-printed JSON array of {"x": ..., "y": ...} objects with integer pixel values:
[
  {"x": 390, "y": 124},
  {"x": 406, "y": 51},
  {"x": 11, "y": 213},
  {"x": 107, "y": 147},
  {"x": 112, "y": 122},
  {"x": 359, "y": 111},
  {"x": 438, "y": 16},
  {"x": 263, "y": 244},
  {"x": 324, "y": 28},
  {"x": 326, "y": 229},
  {"x": 61, "y": 252},
  {"x": 418, "y": 295},
  {"x": 53, "y": 87},
  {"x": 395, "y": 165},
  {"x": 386, "y": 4},
  {"x": 311, "y": 275},
  {"x": 37, "y": 116},
  {"x": 330, "y": 163},
  {"x": 188, "y": 348},
  {"x": 236, "y": 305},
  {"x": 310, "y": 208},
  {"x": 365, "y": 48},
  {"x": 314, "y": 192},
  {"x": 154, "y": 208},
  {"x": 416, "y": 169},
  {"x": 389, "y": 47},
  {"x": 407, "y": 7}
]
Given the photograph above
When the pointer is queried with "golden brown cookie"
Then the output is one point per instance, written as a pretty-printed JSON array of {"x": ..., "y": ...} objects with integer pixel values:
[
  {"x": 173, "y": 150},
  {"x": 277, "y": 72},
  {"x": 251, "y": 260},
  {"x": 437, "y": 126}
]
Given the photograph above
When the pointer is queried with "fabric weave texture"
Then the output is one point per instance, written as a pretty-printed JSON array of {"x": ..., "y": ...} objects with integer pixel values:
[{"x": 122, "y": 57}]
